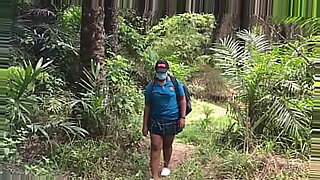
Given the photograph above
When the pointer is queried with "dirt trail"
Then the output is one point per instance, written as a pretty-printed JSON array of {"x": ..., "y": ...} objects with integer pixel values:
[{"x": 180, "y": 153}]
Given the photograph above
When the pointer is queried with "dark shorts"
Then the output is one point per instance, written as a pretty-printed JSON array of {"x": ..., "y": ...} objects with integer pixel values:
[{"x": 164, "y": 128}]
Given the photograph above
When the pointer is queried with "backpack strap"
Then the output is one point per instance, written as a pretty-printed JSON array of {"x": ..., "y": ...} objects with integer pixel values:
[
  {"x": 152, "y": 87},
  {"x": 176, "y": 89}
]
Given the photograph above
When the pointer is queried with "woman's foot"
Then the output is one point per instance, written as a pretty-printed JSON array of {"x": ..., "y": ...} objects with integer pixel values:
[{"x": 165, "y": 172}]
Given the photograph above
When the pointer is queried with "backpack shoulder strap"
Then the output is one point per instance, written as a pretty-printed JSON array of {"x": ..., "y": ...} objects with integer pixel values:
[
  {"x": 175, "y": 85},
  {"x": 152, "y": 87}
]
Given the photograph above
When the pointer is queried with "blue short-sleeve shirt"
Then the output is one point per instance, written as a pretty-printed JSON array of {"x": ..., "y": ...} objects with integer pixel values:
[{"x": 163, "y": 100}]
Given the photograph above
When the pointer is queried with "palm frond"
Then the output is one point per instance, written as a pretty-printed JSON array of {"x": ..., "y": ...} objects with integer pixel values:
[
  {"x": 231, "y": 58},
  {"x": 254, "y": 42},
  {"x": 291, "y": 119}
]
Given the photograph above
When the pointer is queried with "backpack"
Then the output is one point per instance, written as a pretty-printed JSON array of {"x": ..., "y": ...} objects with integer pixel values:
[{"x": 186, "y": 92}]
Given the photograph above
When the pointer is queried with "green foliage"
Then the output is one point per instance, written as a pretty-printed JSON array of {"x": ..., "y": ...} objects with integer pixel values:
[
  {"x": 215, "y": 157},
  {"x": 98, "y": 160},
  {"x": 273, "y": 85},
  {"x": 130, "y": 38},
  {"x": 30, "y": 116},
  {"x": 70, "y": 21},
  {"x": 20, "y": 86},
  {"x": 133, "y": 19},
  {"x": 110, "y": 97},
  {"x": 185, "y": 36},
  {"x": 127, "y": 98},
  {"x": 237, "y": 166},
  {"x": 181, "y": 39},
  {"x": 47, "y": 40},
  {"x": 191, "y": 169}
]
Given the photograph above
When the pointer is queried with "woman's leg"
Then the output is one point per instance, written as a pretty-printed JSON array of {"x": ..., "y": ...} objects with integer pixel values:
[
  {"x": 167, "y": 149},
  {"x": 156, "y": 146}
]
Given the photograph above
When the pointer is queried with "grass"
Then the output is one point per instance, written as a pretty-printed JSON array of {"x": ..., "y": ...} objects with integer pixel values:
[
  {"x": 213, "y": 159},
  {"x": 201, "y": 108},
  {"x": 205, "y": 118}
]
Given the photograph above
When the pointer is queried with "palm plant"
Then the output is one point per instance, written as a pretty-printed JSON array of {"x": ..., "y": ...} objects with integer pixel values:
[
  {"x": 21, "y": 101},
  {"x": 93, "y": 101},
  {"x": 271, "y": 98},
  {"x": 24, "y": 111}
]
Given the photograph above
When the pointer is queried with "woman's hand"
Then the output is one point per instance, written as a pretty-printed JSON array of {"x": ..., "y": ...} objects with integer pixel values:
[
  {"x": 144, "y": 131},
  {"x": 182, "y": 122}
]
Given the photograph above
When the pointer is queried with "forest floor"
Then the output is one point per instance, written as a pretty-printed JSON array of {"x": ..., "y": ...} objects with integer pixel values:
[
  {"x": 183, "y": 151},
  {"x": 185, "y": 148}
]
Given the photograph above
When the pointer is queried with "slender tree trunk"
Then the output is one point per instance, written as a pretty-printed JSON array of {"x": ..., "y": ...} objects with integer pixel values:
[
  {"x": 181, "y": 6},
  {"x": 58, "y": 3},
  {"x": 92, "y": 34},
  {"x": 188, "y": 6},
  {"x": 141, "y": 7},
  {"x": 220, "y": 12},
  {"x": 171, "y": 7},
  {"x": 245, "y": 14},
  {"x": 110, "y": 23},
  {"x": 45, "y": 3}
]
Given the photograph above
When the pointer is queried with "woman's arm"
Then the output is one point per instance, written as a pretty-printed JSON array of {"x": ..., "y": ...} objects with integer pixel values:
[
  {"x": 183, "y": 106},
  {"x": 146, "y": 115}
]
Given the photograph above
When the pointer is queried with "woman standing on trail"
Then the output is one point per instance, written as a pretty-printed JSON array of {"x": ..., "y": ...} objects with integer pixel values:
[{"x": 164, "y": 116}]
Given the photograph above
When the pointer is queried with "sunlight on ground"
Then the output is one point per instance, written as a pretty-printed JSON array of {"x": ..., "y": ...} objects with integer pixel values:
[{"x": 198, "y": 110}]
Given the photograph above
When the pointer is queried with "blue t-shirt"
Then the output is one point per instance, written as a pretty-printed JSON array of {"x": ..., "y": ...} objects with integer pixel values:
[{"x": 163, "y": 100}]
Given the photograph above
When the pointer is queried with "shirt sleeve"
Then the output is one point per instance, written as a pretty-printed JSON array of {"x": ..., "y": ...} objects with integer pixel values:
[
  {"x": 180, "y": 88},
  {"x": 147, "y": 94}
]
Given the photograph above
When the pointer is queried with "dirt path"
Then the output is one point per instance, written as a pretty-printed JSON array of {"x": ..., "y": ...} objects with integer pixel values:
[{"x": 180, "y": 153}]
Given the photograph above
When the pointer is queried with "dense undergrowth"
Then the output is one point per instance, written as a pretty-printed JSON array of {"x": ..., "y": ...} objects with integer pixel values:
[
  {"x": 96, "y": 133},
  {"x": 215, "y": 157}
]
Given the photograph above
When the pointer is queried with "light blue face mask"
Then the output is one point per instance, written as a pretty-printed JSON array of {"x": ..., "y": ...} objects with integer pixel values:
[{"x": 161, "y": 76}]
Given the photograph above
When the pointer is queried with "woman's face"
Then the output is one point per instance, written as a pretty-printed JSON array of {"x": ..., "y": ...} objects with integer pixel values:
[{"x": 161, "y": 76}]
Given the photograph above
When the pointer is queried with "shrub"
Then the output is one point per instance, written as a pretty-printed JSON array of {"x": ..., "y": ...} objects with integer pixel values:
[
  {"x": 46, "y": 41},
  {"x": 129, "y": 38},
  {"x": 185, "y": 36},
  {"x": 70, "y": 21},
  {"x": 111, "y": 103},
  {"x": 98, "y": 160},
  {"x": 273, "y": 87}
]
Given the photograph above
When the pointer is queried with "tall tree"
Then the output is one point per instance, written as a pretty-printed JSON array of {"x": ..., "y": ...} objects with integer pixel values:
[
  {"x": 245, "y": 13},
  {"x": 171, "y": 7},
  {"x": 141, "y": 6},
  {"x": 92, "y": 33},
  {"x": 45, "y": 3},
  {"x": 110, "y": 23}
]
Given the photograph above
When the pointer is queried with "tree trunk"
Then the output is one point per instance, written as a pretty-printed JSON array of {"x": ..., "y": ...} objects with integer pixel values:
[
  {"x": 181, "y": 6},
  {"x": 92, "y": 34},
  {"x": 188, "y": 6},
  {"x": 245, "y": 14},
  {"x": 220, "y": 11},
  {"x": 110, "y": 23},
  {"x": 58, "y": 3},
  {"x": 171, "y": 6},
  {"x": 45, "y": 3},
  {"x": 141, "y": 7}
]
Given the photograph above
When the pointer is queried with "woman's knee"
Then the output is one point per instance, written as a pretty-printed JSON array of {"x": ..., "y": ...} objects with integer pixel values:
[
  {"x": 156, "y": 142},
  {"x": 156, "y": 146}
]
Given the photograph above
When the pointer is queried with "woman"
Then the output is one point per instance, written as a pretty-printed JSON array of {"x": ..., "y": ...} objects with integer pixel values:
[{"x": 164, "y": 117}]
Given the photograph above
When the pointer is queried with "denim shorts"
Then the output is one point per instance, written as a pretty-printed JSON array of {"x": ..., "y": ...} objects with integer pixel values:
[{"x": 164, "y": 127}]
